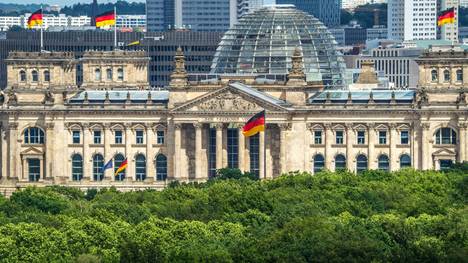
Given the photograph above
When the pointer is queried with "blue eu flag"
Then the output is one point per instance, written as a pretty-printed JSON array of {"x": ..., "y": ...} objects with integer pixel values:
[{"x": 108, "y": 165}]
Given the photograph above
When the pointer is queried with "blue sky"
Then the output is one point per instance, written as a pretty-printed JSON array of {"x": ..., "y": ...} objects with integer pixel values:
[{"x": 68, "y": 2}]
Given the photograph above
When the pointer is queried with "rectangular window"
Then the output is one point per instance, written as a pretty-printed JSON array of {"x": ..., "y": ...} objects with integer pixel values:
[
  {"x": 382, "y": 137},
  {"x": 339, "y": 137},
  {"x": 97, "y": 137},
  {"x": 255, "y": 154},
  {"x": 76, "y": 137},
  {"x": 233, "y": 148},
  {"x": 361, "y": 137},
  {"x": 160, "y": 137},
  {"x": 404, "y": 137},
  {"x": 139, "y": 137},
  {"x": 212, "y": 153},
  {"x": 118, "y": 137},
  {"x": 318, "y": 137}
]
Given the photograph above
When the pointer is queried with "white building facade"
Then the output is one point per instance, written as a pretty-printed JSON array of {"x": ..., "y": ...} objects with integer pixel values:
[
  {"x": 450, "y": 31},
  {"x": 412, "y": 19}
]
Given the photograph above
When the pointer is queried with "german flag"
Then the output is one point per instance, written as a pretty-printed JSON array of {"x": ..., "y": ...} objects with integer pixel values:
[
  {"x": 105, "y": 19},
  {"x": 255, "y": 125},
  {"x": 122, "y": 167},
  {"x": 446, "y": 17},
  {"x": 35, "y": 19}
]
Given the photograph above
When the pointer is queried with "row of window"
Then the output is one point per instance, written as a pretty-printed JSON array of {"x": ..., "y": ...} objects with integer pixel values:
[
  {"x": 34, "y": 135},
  {"x": 361, "y": 137},
  {"x": 109, "y": 74},
  {"x": 140, "y": 167},
  {"x": 118, "y": 137},
  {"x": 361, "y": 162},
  {"x": 446, "y": 75},
  {"x": 34, "y": 76}
]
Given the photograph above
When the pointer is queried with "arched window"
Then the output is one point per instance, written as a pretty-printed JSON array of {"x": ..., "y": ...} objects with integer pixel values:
[
  {"x": 161, "y": 167},
  {"x": 120, "y": 74},
  {"x": 361, "y": 163},
  {"x": 384, "y": 164},
  {"x": 340, "y": 162},
  {"x": 459, "y": 75},
  {"x": 434, "y": 77},
  {"x": 405, "y": 161},
  {"x": 445, "y": 136},
  {"x": 46, "y": 76},
  {"x": 98, "y": 164},
  {"x": 319, "y": 163},
  {"x": 140, "y": 167},
  {"x": 22, "y": 75},
  {"x": 109, "y": 74},
  {"x": 118, "y": 160},
  {"x": 34, "y": 76},
  {"x": 97, "y": 74},
  {"x": 77, "y": 167},
  {"x": 33, "y": 135},
  {"x": 446, "y": 75}
]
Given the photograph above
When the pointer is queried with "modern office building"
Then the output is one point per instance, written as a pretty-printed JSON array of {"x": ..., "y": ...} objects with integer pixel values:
[
  {"x": 352, "y": 4},
  {"x": 398, "y": 64},
  {"x": 377, "y": 32},
  {"x": 412, "y": 19},
  {"x": 327, "y": 11},
  {"x": 199, "y": 48},
  {"x": 195, "y": 15},
  {"x": 56, "y": 132},
  {"x": 248, "y": 6},
  {"x": 131, "y": 21}
]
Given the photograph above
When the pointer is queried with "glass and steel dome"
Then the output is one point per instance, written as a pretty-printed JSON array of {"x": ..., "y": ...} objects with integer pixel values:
[{"x": 264, "y": 41}]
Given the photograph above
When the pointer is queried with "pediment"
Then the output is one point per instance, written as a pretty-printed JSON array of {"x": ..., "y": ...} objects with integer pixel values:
[
  {"x": 444, "y": 152},
  {"x": 32, "y": 151},
  {"x": 231, "y": 99}
]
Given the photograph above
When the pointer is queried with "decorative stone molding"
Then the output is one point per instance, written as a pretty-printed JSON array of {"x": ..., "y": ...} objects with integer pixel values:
[
  {"x": 198, "y": 125},
  {"x": 286, "y": 126},
  {"x": 228, "y": 101},
  {"x": 425, "y": 126},
  {"x": 50, "y": 125},
  {"x": 179, "y": 77},
  {"x": 178, "y": 126},
  {"x": 219, "y": 125}
]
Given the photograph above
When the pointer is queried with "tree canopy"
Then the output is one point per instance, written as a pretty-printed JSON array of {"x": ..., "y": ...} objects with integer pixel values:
[{"x": 335, "y": 217}]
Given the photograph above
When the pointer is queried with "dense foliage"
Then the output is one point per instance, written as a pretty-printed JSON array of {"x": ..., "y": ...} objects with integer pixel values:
[{"x": 405, "y": 216}]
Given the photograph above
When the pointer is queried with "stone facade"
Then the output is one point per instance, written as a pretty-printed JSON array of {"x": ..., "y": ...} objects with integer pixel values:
[{"x": 55, "y": 132}]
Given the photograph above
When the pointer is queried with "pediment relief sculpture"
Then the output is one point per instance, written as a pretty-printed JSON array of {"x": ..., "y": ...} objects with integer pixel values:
[{"x": 228, "y": 101}]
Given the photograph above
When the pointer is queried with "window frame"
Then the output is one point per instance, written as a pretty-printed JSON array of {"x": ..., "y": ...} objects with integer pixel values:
[
  {"x": 139, "y": 137},
  {"x": 118, "y": 137},
  {"x": 382, "y": 137},
  {"x": 337, "y": 141},
  {"x": 97, "y": 138},
  {"x": 76, "y": 134},
  {"x": 361, "y": 140},
  {"x": 402, "y": 138},
  {"x": 318, "y": 137}
]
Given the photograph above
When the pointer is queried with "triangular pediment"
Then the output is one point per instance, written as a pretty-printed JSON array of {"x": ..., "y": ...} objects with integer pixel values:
[
  {"x": 444, "y": 152},
  {"x": 233, "y": 98},
  {"x": 32, "y": 151}
]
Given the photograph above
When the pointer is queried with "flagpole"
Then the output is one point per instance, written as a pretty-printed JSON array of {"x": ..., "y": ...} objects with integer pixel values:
[
  {"x": 42, "y": 31},
  {"x": 115, "y": 28}
]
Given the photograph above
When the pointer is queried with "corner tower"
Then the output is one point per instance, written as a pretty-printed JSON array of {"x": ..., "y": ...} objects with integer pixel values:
[{"x": 118, "y": 69}]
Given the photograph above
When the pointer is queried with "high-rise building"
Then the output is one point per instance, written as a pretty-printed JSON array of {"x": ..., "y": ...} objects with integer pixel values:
[
  {"x": 412, "y": 19},
  {"x": 327, "y": 11},
  {"x": 196, "y": 15},
  {"x": 464, "y": 3},
  {"x": 248, "y": 6},
  {"x": 352, "y": 4},
  {"x": 450, "y": 31}
]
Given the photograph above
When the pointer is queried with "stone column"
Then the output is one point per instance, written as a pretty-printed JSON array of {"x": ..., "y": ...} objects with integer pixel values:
[
  {"x": 219, "y": 145},
  {"x": 198, "y": 150},
  {"x": 262, "y": 171},
  {"x": 241, "y": 152},
  {"x": 130, "y": 171},
  {"x": 3, "y": 151},
  {"x": 349, "y": 147},
  {"x": 284, "y": 128},
  {"x": 13, "y": 144},
  {"x": 370, "y": 144},
  {"x": 86, "y": 162},
  {"x": 393, "y": 143},
  {"x": 150, "y": 169},
  {"x": 177, "y": 149},
  {"x": 328, "y": 146},
  {"x": 107, "y": 152},
  {"x": 425, "y": 154},
  {"x": 49, "y": 150},
  {"x": 462, "y": 142}
]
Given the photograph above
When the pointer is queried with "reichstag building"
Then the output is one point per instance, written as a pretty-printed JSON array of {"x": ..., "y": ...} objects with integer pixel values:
[{"x": 277, "y": 59}]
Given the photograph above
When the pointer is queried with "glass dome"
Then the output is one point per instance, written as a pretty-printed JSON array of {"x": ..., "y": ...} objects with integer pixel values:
[{"x": 263, "y": 42}]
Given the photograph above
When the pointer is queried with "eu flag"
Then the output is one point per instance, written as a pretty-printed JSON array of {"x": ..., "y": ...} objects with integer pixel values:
[{"x": 108, "y": 165}]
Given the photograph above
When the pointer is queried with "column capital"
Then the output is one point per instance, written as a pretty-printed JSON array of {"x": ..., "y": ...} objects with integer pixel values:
[
  {"x": 286, "y": 126},
  {"x": 128, "y": 125},
  {"x": 50, "y": 125},
  {"x": 13, "y": 126},
  {"x": 178, "y": 126},
  {"x": 425, "y": 126},
  {"x": 371, "y": 125},
  {"x": 349, "y": 126},
  {"x": 219, "y": 125},
  {"x": 463, "y": 125},
  {"x": 198, "y": 125},
  {"x": 107, "y": 126},
  {"x": 392, "y": 126},
  {"x": 327, "y": 126}
]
